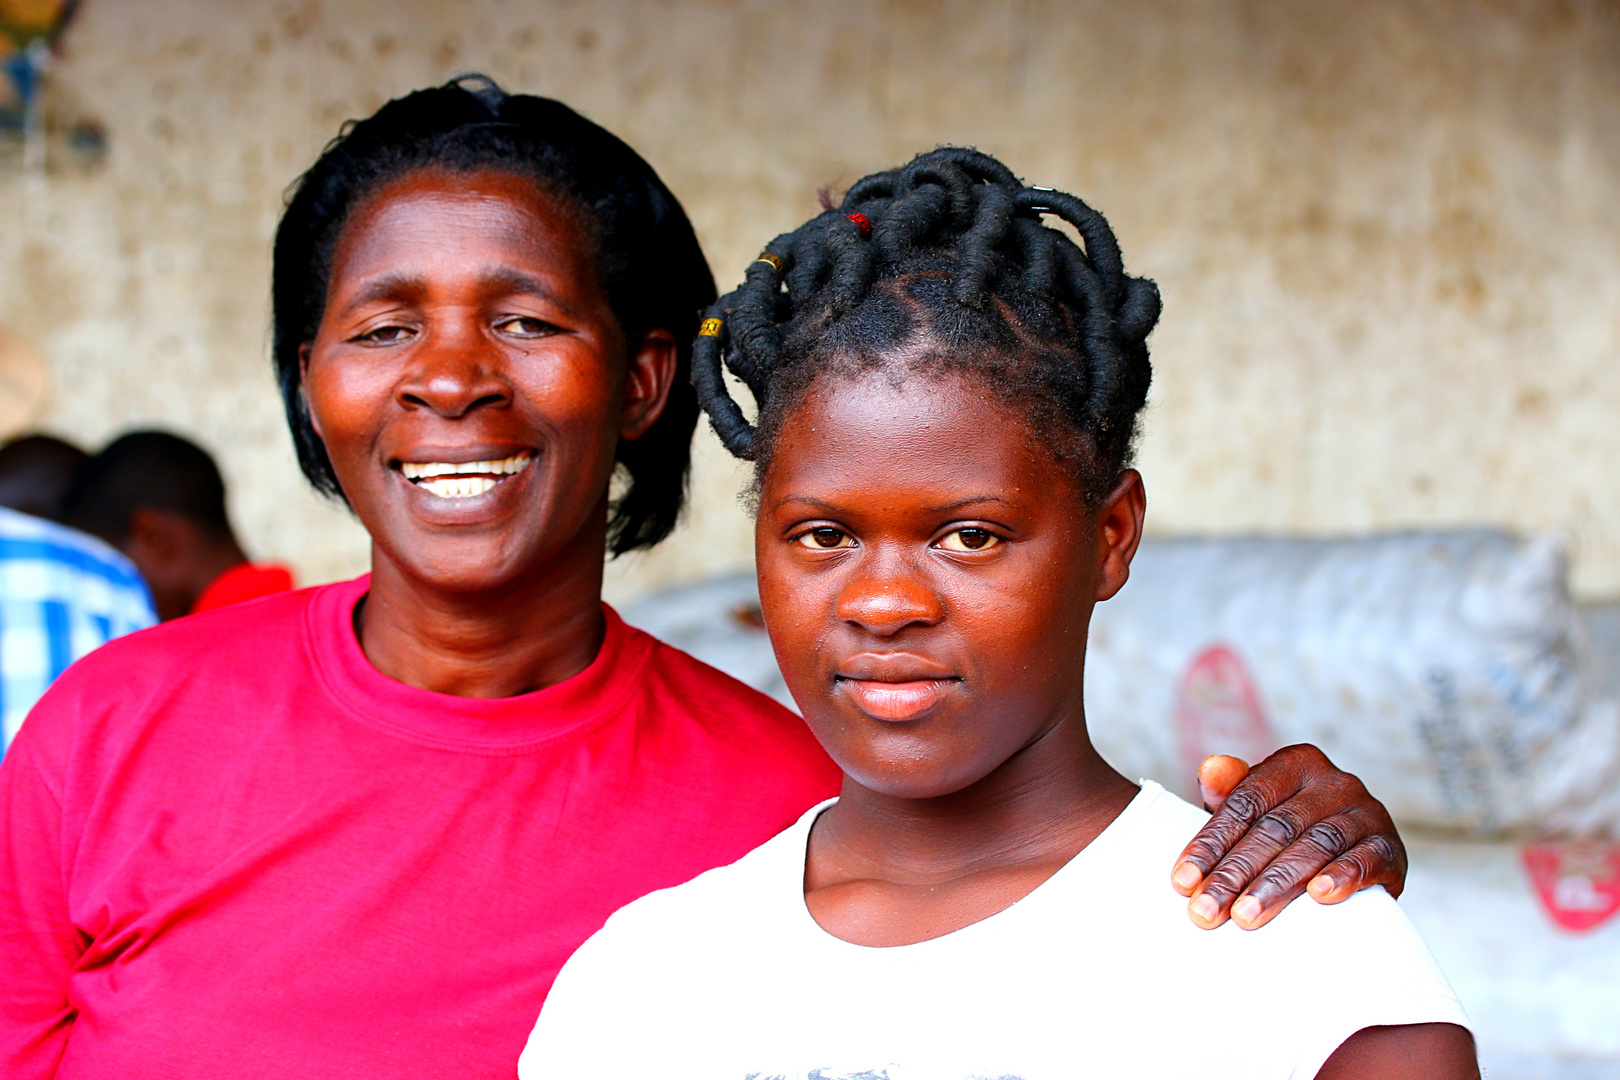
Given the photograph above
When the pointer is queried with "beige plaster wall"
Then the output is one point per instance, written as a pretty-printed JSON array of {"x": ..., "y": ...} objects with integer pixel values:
[{"x": 1385, "y": 229}]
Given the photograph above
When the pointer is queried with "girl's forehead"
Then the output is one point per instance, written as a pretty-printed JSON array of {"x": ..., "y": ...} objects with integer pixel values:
[
  {"x": 875, "y": 425},
  {"x": 904, "y": 399}
]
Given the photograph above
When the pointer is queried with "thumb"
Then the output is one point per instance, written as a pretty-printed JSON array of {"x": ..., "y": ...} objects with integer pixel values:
[{"x": 1217, "y": 776}]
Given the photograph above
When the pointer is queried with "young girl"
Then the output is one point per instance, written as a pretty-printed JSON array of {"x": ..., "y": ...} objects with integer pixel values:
[{"x": 948, "y": 393}]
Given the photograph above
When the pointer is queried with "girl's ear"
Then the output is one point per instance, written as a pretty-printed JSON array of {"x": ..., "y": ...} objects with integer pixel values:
[
  {"x": 652, "y": 372},
  {"x": 1119, "y": 531}
]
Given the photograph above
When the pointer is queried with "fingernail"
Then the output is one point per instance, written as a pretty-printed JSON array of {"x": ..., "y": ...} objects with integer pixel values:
[
  {"x": 1247, "y": 910},
  {"x": 1322, "y": 885},
  {"x": 1205, "y": 908},
  {"x": 1187, "y": 876}
]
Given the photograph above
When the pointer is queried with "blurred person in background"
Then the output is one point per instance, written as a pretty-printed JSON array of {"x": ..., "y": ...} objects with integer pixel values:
[
  {"x": 61, "y": 594},
  {"x": 160, "y": 500},
  {"x": 36, "y": 472}
]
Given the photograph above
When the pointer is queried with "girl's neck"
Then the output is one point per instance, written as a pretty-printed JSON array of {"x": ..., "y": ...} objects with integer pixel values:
[
  {"x": 529, "y": 633},
  {"x": 883, "y": 870}
]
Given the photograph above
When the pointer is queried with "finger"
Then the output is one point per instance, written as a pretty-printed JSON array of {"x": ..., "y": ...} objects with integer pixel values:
[
  {"x": 1293, "y": 869},
  {"x": 1248, "y": 802},
  {"x": 1269, "y": 836},
  {"x": 1217, "y": 776},
  {"x": 1376, "y": 860}
]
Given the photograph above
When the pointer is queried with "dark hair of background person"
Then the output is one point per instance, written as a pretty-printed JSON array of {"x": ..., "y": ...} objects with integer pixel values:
[
  {"x": 151, "y": 470},
  {"x": 946, "y": 263},
  {"x": 652, "y": 269},
  {"x": 36, "y": 472}
]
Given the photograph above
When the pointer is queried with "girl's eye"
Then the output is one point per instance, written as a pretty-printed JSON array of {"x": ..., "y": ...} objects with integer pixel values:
[
  {"x": 526, "y": 326},
  {"x": 969, "y": 540},
  {"x": 387, "y": 335},
  {"x": 825, "y": 538}
]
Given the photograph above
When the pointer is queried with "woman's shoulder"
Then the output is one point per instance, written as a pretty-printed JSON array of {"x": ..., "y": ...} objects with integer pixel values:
[
  {"x": 260, "y": 627},
  {"x": 744, "y": 723},
  {"x": 213, "y": 661}
]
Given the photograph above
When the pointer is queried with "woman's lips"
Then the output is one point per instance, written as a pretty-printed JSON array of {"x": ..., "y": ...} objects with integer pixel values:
[{"x": 896, "y": 700}]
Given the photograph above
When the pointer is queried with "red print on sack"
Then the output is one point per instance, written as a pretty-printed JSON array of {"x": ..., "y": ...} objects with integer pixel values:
[
  {"x": 1218, "y": 710},
  {"x": 1578, "y": 883}
]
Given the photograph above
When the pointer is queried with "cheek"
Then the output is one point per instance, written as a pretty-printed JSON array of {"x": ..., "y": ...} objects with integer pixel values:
[
  {"x": 1028, "y": 637},
  {"x": 796, "y": 607},
  {"x": 577, "y": 392},
  {"x": 345, "y": 401}
]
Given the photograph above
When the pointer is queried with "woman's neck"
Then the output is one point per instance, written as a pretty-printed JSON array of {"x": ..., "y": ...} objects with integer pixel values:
[
  {"x": 892, "y": 871},
  {"x": 534, "y": 631}
]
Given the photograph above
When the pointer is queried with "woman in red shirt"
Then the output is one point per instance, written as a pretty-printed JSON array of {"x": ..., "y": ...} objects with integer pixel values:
[{"x": 354, "y": 831}]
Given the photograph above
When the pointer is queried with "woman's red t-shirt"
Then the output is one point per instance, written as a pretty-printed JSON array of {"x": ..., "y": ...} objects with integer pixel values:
[{"x": 230, "y": 847}]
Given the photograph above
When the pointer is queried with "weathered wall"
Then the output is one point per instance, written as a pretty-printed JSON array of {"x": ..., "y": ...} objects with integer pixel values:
[{"x": 1385, "y": 229}]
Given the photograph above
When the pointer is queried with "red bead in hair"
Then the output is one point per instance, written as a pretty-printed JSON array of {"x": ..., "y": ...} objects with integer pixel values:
[{"x": 863, "y": 225}]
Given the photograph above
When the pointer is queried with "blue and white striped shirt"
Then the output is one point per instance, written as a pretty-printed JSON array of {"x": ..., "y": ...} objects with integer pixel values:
[{"x": 62, "y": 593}]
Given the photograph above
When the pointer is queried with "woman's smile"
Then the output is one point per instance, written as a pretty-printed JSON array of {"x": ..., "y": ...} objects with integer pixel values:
[{"x": 465, "y": 487}]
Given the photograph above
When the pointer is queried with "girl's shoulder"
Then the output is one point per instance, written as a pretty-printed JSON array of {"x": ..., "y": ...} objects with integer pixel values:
[{"x": 759, "y": 897}]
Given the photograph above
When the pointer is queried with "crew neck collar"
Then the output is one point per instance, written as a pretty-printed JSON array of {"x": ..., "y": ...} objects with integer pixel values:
[
  {"x": 795, "y": 845},
  {"x": 495, "y": 726}
]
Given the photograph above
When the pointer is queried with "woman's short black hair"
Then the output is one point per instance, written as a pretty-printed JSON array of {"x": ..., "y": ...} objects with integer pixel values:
[
  {"x": 651, "y": 266},
  {"x": 944, "y": 265}
]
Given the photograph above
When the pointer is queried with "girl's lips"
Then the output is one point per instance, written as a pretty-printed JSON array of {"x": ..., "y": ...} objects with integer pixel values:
[{"x": 896, "y": 700}]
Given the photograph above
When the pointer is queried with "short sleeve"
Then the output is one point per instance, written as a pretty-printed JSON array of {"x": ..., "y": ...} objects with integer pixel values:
[
  {"x": 576, "y": 1034},
  {"x": 1383, "y": 975}
]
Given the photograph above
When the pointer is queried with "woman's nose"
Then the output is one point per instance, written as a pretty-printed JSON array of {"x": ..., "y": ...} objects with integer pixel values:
[
  {"x": 888, "y": 598},
  {"x": 454, "y": 373}
]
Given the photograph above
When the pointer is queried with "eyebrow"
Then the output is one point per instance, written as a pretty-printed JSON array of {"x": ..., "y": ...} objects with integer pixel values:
[
  {"x": 971, "y": 500},
  {"x": 509, "y": 282}
]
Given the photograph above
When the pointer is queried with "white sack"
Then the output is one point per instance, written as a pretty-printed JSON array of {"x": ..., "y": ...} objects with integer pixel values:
[{"x": 1440, "y": 667}]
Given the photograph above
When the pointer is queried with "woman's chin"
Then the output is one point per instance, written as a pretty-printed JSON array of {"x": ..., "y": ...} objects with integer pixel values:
[{"x": 475, "y": 563}]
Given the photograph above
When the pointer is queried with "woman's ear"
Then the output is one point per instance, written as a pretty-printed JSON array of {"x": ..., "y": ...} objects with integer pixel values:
[
  {"x": 652, "y": 372},
  {"x": 1119, "y": 531},
  {"x": 304, "y": 351}
]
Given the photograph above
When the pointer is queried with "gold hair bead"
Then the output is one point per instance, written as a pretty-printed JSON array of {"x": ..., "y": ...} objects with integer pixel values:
[
  {"x": 772, "y": 261},
  {"x": 710, "y": 328}
]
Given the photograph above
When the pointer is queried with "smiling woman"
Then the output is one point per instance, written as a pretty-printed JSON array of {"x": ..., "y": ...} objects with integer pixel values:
[
  {"x": 355, "y": 831},
  {"x": 470, "y": 386}
]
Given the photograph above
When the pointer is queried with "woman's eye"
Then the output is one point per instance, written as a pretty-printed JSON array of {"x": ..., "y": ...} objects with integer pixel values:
[
  {"x": 825, "y": 537},
  {"x": 387, "y": 335},
  {"x": 526, "y": 326},
  {"x": 969, "y": 540}
]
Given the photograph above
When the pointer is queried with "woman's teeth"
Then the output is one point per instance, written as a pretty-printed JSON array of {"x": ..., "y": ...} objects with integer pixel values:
[
  {"x": 462, "y": 480},
  {"x": 451, "y": 487}
]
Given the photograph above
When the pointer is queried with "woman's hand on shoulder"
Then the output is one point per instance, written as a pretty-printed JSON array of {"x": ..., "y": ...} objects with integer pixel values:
[{"x": 1294, "y": 823}]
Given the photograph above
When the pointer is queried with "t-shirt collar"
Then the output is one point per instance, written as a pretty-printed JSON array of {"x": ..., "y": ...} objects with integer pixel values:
[{"x": 499, "y": 726}]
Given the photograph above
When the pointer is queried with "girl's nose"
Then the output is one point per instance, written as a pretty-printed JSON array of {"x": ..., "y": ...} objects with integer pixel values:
[
  {"x": 886, "y": 600},
  {"x": 453, "y": 374}
]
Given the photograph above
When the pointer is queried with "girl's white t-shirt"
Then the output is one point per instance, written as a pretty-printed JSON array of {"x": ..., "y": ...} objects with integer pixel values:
[{"x": 1096, "y": 973}]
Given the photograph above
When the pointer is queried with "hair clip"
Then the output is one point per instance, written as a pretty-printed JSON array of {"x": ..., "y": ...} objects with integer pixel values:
[
  {"x": 710, "y": 328},
  {"x": 863, "y": 225},
  {"x": 772, "y": 261}
]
